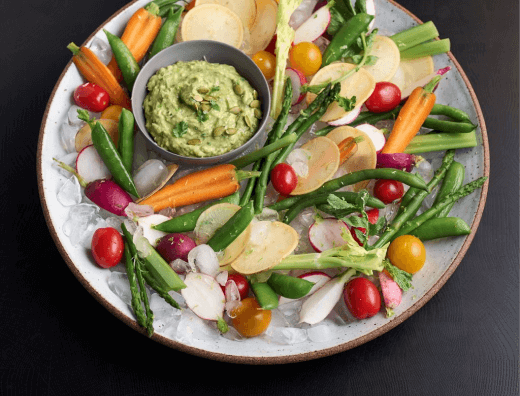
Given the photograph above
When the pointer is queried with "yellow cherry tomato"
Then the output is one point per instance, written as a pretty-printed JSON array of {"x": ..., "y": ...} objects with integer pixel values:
[
  {"x": 266, "y": 62},
  {"x": 250, "y": 319},
  {"x": 305, "y": 57},
  {"x": 112, "y": 113},
  {"x": 407, "y": 253}
]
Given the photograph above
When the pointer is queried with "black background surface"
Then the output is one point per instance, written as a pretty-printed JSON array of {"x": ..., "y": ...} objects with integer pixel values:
[{"x": 57, "y": 340}]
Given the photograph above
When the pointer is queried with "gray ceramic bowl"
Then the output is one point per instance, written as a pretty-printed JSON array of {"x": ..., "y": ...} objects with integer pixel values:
[{"x": 213, "y": 52}]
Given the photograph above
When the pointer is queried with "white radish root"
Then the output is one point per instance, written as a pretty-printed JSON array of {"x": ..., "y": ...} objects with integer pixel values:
[{"x": 204, "y": 296}]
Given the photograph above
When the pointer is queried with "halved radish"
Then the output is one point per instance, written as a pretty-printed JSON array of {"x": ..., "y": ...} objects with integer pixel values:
[
  {"x": 326, "y": 234},
  {"x": 313, "y": 27},
  {"x": 423, "y": 81},
  {"x": 375, "y": 134},
  {"x": 90, "y": 166},
  {"x": 347, "y": 118},
  {"x": 401, "y": 161},
  {"x": 297, "y": 80},
  {"x": 153, "y": 235},
  {"x": 360, "y": 84},
  {"x": 388, "y": 60},
  {"x": 213, "y": 22},
  {"x": 323, "y": 163},
  {"x": 392, "y": 293},
  {"x": 365, "y": 156},
  {"x": 204, "y": 296},
  {"x": 317, "y": 277}
]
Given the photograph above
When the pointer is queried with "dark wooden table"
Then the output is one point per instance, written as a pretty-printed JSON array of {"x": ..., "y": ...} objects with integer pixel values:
[{"x": 57, "y": 340}]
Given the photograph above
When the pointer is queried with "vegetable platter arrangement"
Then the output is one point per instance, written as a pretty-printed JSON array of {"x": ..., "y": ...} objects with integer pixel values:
[{"x": 356, "y": 210}]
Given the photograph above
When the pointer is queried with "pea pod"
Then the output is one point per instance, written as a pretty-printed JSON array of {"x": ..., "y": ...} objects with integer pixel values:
[
  {"x": 109, "y": 154},
  {"x": 166, "y": 35},
  {"x": 289, "y": 286},
  {"x": 126, "y": 138},
  {"x": 265, "y": 295},
  {"x": 441, "y": 228},
  {"x": 124, "y": 58},
  {"x": 346, "y": 37},
  {"x": 188, "y": 221},
  {"x": 226, "y": 234},
  {"x": 452, "y": 182}
]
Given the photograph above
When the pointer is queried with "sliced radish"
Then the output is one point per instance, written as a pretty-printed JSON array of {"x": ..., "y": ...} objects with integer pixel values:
[
  {"x": 204, "y": 296},
  {"x": 423, "y": 81},
  {"x": 313, "y": 27},
  {"x": 401, "y": 161},
  {"x": 392, "y": 293},
  {"x": 90, "y": 166},
  {"x": 347, "y": 118},
  {"x": 297, "y": 80},
  {"x": 326, "y": 234},
  {"x": 317, "y": 277},
  {"x": 377, "y": 137}
]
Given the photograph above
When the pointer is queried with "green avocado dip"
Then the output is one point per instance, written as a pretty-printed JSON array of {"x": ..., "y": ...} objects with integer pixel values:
[{"x": 200, "y": 109}]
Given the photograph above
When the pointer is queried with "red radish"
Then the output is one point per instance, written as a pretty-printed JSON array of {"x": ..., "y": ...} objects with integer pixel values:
[
  {"x": 297, "y": 80},
  {"x": 347, "y": 118},
  {"x": 401, "y": 161},
  {"x": 392, "y": 293},
  {"x": 377, "y": 137},
  {"x": 423, "y": 81},
  {"x": 388, "y": 191},
  {"x": 362, "y": 298},
  {"x": 373, "y": 216},
  {"x": 317, "y": 277},
  {"x": 104, "y": 192},
  {"x": 241, "y": 283},
  {"x": 326, "y": 234},
  {"x": 386, "y": 97},
  {"x": 313, "y": 27},
  {"x": 175, "y": 246},
  {"x": 90, "y": 166},
  {"x": 204, "y": 296}
]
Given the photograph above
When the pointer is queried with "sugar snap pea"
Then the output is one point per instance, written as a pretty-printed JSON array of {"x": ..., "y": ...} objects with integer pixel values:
[
  {"x": 126, "y": 138},
  {"x": 453, "y": 180},
  {"x": 168, "y": 31},
  {"x": 124, "y": 58},
  {"x": 441, "y": 228},
  {"x": 289, "y": 286},
  {"x": 265, "y": 295}
]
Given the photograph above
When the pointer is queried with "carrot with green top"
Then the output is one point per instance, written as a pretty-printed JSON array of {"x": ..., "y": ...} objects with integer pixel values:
[{"x": 411, "y": 117}]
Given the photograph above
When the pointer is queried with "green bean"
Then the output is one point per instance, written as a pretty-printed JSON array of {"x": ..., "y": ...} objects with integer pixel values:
[
  {"x": 441, "y": 228},
  {"x": 452, "y": 112},
  {"x": 109, "y": 154},
  {"x": 265, "y": 295},
  {"x": 188, "y": 221},
  {"x": 453, "y": 180},
  {"x": 325, "y": 130},
  {"x": 226, "y": 234},
  {"x": 124, "y": 58},
  {"x": 126, "y": 138},
  {"x": 289, "y": 286},
  {"x": 311, "y": 200},
  {"x": 467, "y": 189},
  {"x": 331, "y": 97},
  {"x": 134, "y": 289},
  {"x": 166, "y": 35}
]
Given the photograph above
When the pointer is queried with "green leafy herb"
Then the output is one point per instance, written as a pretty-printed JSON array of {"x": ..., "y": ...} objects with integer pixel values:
[
  {"x": 346, "y": 103},
  {"x": 214, "y": 89},
  {"x": 402, "y": 278},
  {"x": 339, "y": 203},
  {"x": 181, "y": 128},
  {"x": 202, "y": 116},
  {"x": 214, "y": 105}
]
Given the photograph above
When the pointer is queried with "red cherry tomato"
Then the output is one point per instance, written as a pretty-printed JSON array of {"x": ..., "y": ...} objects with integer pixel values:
[
  {"x": 386, "y": 97},
  {"x": 242, "y": 285},
  {"x": 284, "y": 178},
  {"x": 91, "y": 97},
  {"x": 373, "y": 216},
  {"x": 107, "y": 247},
  {"x": 362, "y": 298},
  {"x": 388, "y": 190}
]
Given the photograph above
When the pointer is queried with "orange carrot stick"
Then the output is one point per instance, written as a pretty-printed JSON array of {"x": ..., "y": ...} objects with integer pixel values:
[
  {"x": 411, "y": 117},
  {"x": 140, "y": 32},
  {"x": 212, "y": 183},
  {"x": 97, "y": 73},
  {"x": 348, "y": 147}
]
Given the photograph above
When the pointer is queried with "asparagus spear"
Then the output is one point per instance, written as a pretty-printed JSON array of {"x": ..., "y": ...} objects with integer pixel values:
[
  {"x": 144, "y": 296},
  {"x": 136, "y": 297}
]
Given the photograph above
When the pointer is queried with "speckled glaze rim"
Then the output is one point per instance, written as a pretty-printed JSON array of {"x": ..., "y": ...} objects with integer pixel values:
[{"x": 273, "y": 359}]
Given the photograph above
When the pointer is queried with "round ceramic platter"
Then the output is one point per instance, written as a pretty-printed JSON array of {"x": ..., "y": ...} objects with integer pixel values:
[{"x": 443, "y": 256}]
